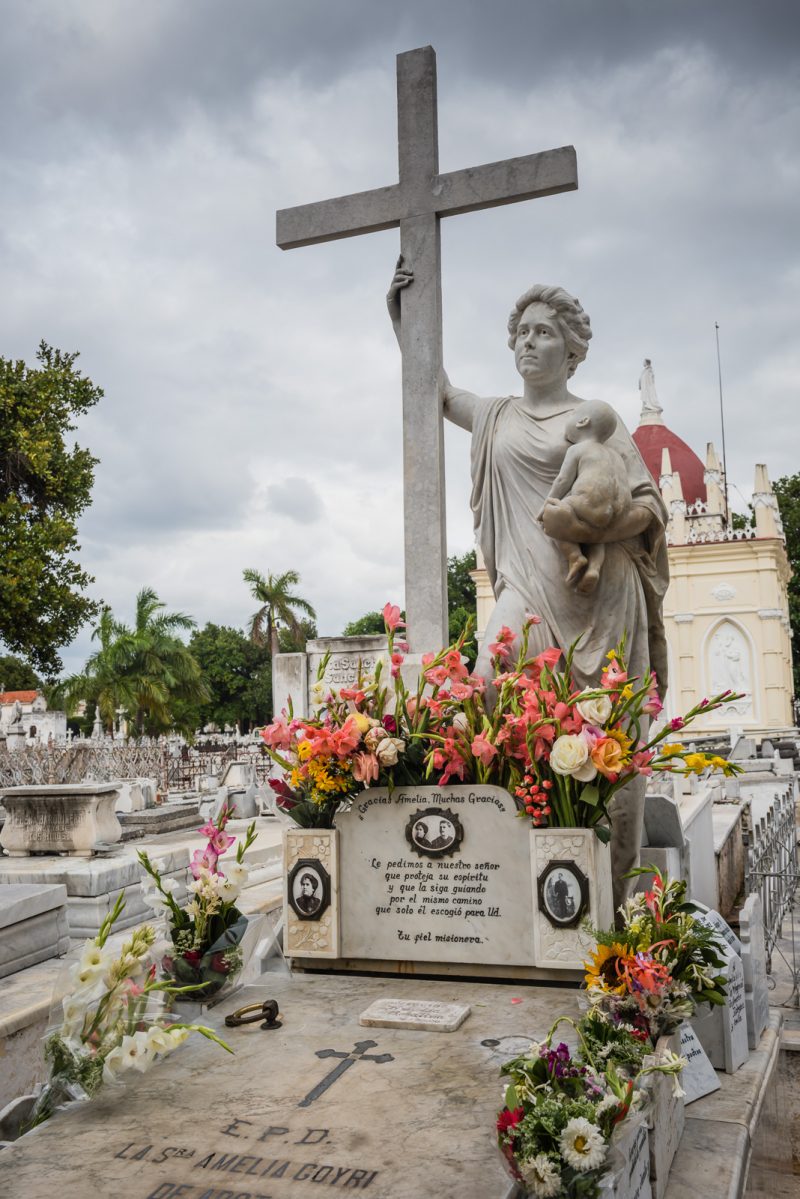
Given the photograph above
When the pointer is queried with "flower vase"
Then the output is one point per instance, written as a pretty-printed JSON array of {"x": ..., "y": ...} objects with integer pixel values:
[
  {"x": 664, "y": 1118},
  {"x": 212, "y": 971},
  {"x": 571, "y": 870},
  {"x": 311, "y": 892}
]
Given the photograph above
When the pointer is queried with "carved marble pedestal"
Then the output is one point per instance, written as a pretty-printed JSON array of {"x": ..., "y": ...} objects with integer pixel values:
[{"x": 73, "y": 818}]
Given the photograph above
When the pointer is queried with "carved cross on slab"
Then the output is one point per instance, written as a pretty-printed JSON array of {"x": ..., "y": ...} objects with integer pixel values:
[
  {"x": 357, "y": 1054},
  {"x": 416, "y": 203}
]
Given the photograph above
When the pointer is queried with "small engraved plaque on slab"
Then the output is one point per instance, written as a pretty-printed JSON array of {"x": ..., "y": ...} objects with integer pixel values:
[{"x": 415, "y": 1013}]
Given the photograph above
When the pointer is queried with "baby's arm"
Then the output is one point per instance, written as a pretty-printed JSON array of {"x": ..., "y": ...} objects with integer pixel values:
[{"x": 565, "y": 479}]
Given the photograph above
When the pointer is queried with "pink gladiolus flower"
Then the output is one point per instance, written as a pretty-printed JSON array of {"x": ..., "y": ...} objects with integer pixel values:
[
  {"x": 531, "y": 619},
  {"x": 397, "y": 662},
  {"x": 402, "y": 646},
  {"x": 676, "y": 723},
  {"x": 640, "y": 762},
  {"x": 220, "y": 842},
  {"x": 391, "y": 618},
  {"x": 612, "y": 677},
  {"x": 365, "y": 768},
  {"x": 483, "y": 749},
  {"x": 652, "y": 705},
  {"x": 499, "y": 649},
  {"x": 209, "y": 830},
  {"x": 277, "y": 735},
  {"x": 344, "y": 740},
  {"x": 203, "y": 859},
  {"x": 353, "y": 693}
]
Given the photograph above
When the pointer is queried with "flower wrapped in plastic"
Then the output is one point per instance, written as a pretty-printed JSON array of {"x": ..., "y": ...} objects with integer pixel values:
[
  {"x": 113, "y": 1019},
  {"x": 208, "y": 935}
]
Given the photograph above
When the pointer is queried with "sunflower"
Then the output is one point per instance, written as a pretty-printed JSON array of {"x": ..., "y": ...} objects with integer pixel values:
[{"x": 605, "y": 968}]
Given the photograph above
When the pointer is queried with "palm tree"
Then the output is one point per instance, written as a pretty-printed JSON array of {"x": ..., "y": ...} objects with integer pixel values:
[
  {"x": 144, "y": 668},
  {"x": 277, "y": 604}
]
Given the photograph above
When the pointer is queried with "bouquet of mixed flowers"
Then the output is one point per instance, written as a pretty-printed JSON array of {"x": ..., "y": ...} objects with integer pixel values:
[
  {"x": 653, "y": 972},
  {"x": 114, "y": 1020},
  {"x": 561, "y": 751},
  {"x": 207, "y": 934},
  {"x": 560, "y": 1113}
]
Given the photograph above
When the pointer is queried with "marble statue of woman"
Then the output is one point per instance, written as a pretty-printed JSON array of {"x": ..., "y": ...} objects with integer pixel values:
[{"x": 518, "y": 447}]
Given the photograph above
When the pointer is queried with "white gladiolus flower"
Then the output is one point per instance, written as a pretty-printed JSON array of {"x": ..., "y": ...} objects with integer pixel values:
[
  {"x": 159, "y": 1039},
  {"x": 73, "y": 1008},
  {"x": 237, "y": 873},
  {"x": 570, "y": 756},
  {"x": 178, "y": 1036},
  {"x": 113, "y": 1064},
  {"x": 227, "y": 890},
  {"x": 170, "y": 885},
  {"x": 594, "y": 710},
  {"x": 582, "y": 1145},
  {"x": 86, "y": 978},
  {"x": 136, "y": 1054},
  {"x": 542, "y": 1176}
]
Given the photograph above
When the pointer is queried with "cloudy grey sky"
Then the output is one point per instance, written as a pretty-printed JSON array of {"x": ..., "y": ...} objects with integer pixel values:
[{"x": 252, "y": 397}]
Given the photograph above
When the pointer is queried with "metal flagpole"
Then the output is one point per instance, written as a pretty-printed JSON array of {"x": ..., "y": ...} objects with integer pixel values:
[{"x": 722, "y": 422}]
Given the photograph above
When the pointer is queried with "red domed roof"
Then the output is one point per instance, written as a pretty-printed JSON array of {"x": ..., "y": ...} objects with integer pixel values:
[{"x": 651, "y": 439}]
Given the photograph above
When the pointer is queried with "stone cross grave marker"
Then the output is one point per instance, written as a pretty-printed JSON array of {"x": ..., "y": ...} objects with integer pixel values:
[
  {"x": 415, "y": 204},
  {"x": 754, "y": 966}
]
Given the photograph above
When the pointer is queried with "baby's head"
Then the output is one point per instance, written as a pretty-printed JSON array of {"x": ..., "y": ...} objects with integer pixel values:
[{"x": 594, "y": 420}]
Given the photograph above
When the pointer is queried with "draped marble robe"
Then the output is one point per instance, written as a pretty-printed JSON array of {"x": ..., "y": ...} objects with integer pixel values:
[{"x": 515, "y": 459}]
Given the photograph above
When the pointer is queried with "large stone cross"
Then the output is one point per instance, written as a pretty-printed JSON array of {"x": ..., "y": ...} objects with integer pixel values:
[{"x": 416, "y": 203}]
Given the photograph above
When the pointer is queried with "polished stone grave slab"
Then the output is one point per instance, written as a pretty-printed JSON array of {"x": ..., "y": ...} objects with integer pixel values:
[{"x": 323, "y": 1105}]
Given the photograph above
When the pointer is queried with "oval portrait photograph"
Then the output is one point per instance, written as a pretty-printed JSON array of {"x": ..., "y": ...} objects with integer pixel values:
[
  {"x": 434, "y": 831},
  {"x": 563, "y": 893},
  {"x": 309, "y": 889}
]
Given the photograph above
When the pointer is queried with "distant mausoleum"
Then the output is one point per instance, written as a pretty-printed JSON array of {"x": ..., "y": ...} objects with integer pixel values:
[
  {"x": 726, "y": 612},
  {"x": 27, "y": 710}
]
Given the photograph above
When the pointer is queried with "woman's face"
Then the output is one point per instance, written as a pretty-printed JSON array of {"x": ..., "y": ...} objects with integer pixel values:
[{"x": 540, "y": 350}]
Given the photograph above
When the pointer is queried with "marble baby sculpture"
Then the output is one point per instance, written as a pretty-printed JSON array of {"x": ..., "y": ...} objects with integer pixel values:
[
  {"x": 518, "y": 450},
  {"x": 592, "y": 484}
]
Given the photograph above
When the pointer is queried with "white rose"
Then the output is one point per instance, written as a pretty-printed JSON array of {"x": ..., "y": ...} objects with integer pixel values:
[
  {"x": 388, "y": 750},
  {"x": 594, "y": 709},
  {"x": 570, "y": 755}
]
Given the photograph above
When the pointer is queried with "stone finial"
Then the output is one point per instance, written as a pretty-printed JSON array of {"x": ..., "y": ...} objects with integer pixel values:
[
  {"x": 714, "y": 480},
  {"x": 765, "y": 506}
]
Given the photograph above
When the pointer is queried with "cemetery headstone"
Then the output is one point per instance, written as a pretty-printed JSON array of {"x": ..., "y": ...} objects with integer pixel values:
[
  {"x": 665, "y": 1119},
  {"x": 698, "y": 1077},
  {"x": 723, "y": 1031},
  {"x": 754, "y": 966},
  {"x": 718, "y": 924},
  {"x": 438, "y": 875},
  {"x": 632, "y": 1143}
]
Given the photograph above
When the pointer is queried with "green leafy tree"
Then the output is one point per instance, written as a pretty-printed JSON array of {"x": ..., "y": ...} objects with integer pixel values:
[
  {"x": 237, "y": 675},
  {"x": 367, "y": 625},
  {"x": 16, "y": 675},
  {"x": 145, "y": 668},
  {"x": 279, "y": 606},
  {"x": 787, "y": 491},
  {"x": 293, "y": 641},
  {"x": 45, "y": 484}
]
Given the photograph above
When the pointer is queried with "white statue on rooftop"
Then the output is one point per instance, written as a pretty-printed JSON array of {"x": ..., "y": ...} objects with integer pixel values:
[{"x": 647, "y": 387}]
